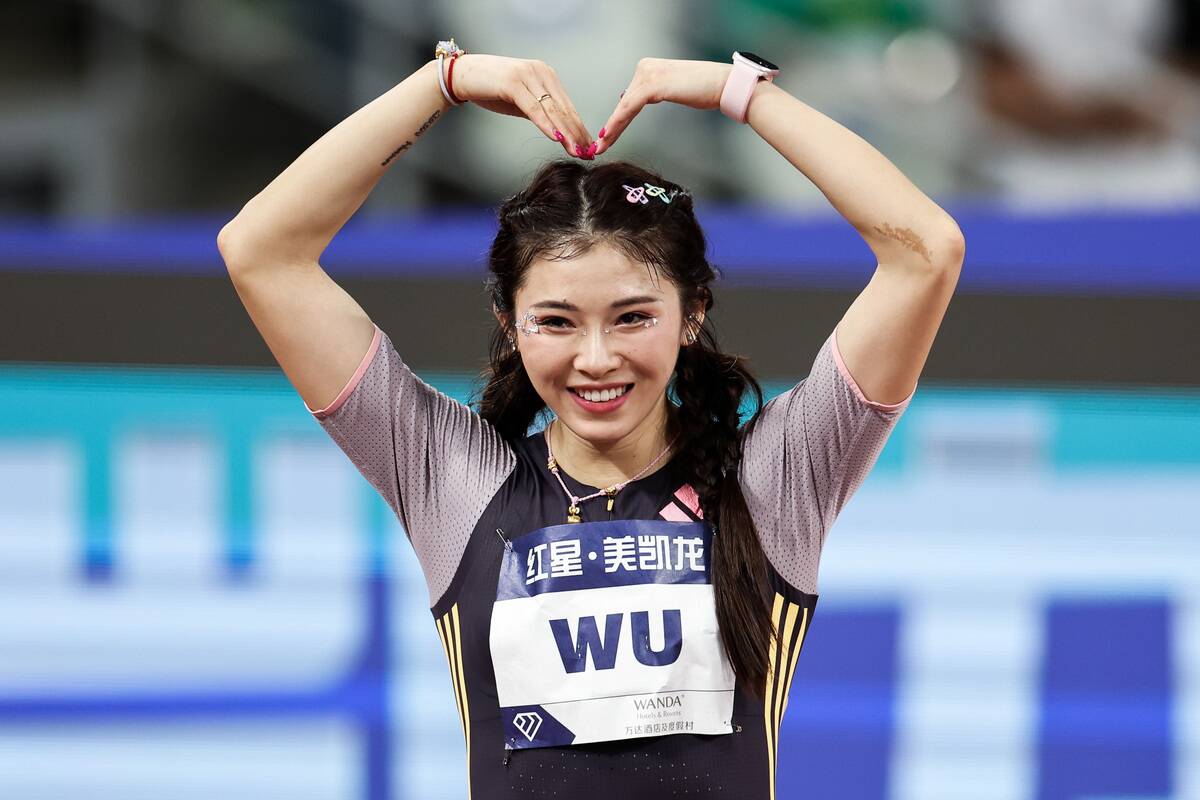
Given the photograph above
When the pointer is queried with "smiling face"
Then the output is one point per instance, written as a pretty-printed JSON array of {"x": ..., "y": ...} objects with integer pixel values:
[{"x": 606, "y": 388}]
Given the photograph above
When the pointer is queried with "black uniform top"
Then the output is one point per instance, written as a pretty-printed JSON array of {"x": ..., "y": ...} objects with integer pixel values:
[{"x": 461, "y": 493}]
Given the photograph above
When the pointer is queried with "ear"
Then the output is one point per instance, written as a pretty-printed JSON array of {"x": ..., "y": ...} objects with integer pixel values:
[{"x": 505, "y": 320}]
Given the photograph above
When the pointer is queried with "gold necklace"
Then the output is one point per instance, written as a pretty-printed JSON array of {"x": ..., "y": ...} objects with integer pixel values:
[{"x": 610, "y": 491}]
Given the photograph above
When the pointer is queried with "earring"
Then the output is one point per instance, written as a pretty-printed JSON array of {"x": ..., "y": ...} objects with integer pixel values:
[
  {"x": 512, "y": 342},
  {"x": 691, "y": 335}
]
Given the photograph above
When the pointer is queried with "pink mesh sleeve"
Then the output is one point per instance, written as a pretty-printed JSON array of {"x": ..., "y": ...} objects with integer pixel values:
[
  {"x": 433, "y": 459},
  {"x": 810, "y": 449}
]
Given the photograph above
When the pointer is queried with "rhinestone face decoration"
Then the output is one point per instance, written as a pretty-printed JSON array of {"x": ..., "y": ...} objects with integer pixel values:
[{"x": 529, "y": 326}]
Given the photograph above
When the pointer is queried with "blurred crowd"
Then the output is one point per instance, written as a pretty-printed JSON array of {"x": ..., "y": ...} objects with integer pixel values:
[{"x": 119, "y": 108}]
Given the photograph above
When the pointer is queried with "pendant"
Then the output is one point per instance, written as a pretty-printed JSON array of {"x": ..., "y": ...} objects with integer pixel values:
[
  {"x": 612, "y": 496},
  {"x": 573, "y": 513}
]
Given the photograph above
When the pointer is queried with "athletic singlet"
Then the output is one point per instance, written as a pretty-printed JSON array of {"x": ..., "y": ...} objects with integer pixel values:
[{"x": 564, "y": 709}]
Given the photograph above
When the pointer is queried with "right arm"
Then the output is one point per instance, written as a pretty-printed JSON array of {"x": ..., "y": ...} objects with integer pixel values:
[
  {"x": 315, "y": 330},
  {"x": 434, "y": 460}
]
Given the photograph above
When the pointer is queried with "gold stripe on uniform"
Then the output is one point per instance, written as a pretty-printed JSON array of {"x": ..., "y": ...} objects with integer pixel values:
[
  {"x": 788, "y": 655},
  {"x": 443, "y": 626},
  {"x": 450, "y": 633},
  {"x": 462, "y": 688},
  {"x": 787, "y": 690},
  {"x": 769, "y": 692},
  {"x": 775, "y": 698}
]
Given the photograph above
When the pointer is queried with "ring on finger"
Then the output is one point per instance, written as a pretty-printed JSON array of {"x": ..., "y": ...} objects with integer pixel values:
[{"x": 543, "y": 97}]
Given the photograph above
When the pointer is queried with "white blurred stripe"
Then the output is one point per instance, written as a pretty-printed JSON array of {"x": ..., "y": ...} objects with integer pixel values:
[
  {"x": 41, "y": 487},
  {"x": 168, "y": 508},
  {"x": 967, "y": 697},
  {"x": 1186, "y": 639},
  {"x": 141, "y": 760},
  {"x": 430, "y": 751}
]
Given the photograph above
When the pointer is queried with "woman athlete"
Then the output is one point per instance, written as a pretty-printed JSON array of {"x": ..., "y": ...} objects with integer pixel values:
[{"x": 622, "y": 596}]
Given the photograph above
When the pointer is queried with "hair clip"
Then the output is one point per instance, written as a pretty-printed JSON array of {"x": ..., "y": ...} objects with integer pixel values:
[
  {"x": 635, "y": 194},
  {"x": 640, "y": 194}
]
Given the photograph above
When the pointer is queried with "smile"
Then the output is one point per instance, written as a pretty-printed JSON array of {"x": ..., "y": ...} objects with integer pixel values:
[
  {"x": 602, "y": 395},
  {"x": 601, "y": 399}
]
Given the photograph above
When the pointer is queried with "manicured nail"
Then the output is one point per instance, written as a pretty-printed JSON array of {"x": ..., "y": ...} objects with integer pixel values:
[
  {"x": 558, "y": 134},
  {"x": 591, "y": 151},
  {"x": 602, "y": 131},
  {"x": 579, "y": 150}
]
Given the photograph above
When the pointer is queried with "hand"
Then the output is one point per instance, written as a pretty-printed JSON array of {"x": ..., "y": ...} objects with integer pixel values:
[
  {"x": 697, "y": 84},
  {"x": 512, "y": 86}
]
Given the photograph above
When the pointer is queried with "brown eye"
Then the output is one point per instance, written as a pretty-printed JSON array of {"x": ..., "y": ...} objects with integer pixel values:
[{"x": 634, "y": 319}]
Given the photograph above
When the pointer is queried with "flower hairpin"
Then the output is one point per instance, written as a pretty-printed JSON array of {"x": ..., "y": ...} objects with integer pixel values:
[{"x": 643, "y": 193}]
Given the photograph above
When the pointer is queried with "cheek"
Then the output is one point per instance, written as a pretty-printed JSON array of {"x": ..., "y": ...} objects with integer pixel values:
[
  {"x": 545, "y": 369},
  {"x": 657, "y": 361}
]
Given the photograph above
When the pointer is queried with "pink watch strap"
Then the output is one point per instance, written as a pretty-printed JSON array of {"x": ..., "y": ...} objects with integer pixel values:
[{"x": 739, "y": 88}]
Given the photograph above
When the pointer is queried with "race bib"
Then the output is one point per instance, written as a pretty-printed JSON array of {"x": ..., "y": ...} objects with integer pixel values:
[{"x": 607, "y": 630}]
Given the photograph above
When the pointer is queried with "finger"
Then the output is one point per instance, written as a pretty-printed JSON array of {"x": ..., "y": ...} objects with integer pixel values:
[
  {"x": 549, "y": 105},
  {"x": 574, "y": 122},
  {"x": 557, "y": 104},
  {"x": 526, "y": 100},
  {"x": 632, "y": 101}
]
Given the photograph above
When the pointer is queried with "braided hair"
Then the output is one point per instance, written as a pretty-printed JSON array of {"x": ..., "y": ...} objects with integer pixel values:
[{"x": 565, "y": 210}]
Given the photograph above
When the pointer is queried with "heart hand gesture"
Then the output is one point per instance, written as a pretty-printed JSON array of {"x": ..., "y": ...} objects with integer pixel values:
[{"x": 697, "y": 84}]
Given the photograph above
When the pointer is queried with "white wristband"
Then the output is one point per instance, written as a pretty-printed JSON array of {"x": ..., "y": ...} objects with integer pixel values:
[
  {"x": 446, "y": 51},
  {"x": 442, "y": 81}
]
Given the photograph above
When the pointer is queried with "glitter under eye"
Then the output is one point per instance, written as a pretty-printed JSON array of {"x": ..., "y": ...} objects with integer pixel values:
[{"x": 628, "y": 323}]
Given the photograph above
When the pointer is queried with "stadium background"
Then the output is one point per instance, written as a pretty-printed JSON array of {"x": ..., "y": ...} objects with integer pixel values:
[{"x": 199, "y": 596}]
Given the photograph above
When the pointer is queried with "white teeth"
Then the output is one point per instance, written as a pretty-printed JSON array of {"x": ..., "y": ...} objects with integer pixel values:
[{"x": 601, "y": 396}]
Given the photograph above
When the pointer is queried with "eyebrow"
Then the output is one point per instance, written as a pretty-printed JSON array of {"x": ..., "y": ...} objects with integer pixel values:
[{"x": 628, "y": 301}]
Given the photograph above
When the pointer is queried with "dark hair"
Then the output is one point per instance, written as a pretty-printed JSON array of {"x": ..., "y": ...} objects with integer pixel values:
[{"x": 566, "y": 209}]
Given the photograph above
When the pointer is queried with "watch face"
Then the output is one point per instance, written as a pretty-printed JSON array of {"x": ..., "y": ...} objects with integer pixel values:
[{"x": 762, "y": 62}]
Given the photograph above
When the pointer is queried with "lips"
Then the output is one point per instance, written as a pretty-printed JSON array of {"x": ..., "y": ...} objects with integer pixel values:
[
  {"x": 606, "y": 399},
  {"x": 602, "y": 395}
]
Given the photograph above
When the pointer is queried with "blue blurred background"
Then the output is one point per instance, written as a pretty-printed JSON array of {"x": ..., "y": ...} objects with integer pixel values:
[{"x": 200, "y": 597}]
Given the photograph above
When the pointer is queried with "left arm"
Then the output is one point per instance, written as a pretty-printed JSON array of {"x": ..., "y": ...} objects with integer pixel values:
[{"x": 887, "y": 332}]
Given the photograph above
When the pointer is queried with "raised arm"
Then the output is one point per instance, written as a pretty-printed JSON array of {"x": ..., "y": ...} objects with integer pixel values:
[
  {"x": 434, "y": 461},
  {"x": 316, "y": 331},
  {"x": 886, "y": 334}
]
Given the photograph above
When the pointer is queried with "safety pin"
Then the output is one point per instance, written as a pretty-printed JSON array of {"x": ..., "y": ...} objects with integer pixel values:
[{"x": 507, "y": 543}]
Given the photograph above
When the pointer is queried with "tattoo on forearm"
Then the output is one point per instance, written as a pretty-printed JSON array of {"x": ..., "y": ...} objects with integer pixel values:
[
  {"x": 432, "y": 119},
  {"x": 907, "y": 237},
  {"x": 424, "y": 127},
  {"x": 395, "y": 153}
]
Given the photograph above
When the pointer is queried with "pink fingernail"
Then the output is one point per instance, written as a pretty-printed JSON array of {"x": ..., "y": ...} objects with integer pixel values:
[
  {"x": 579, "y": 150},
  {"x": 591, "y": 151},
  {"x": 602, "y": 131},
  {"x": 558, "y": 134}
]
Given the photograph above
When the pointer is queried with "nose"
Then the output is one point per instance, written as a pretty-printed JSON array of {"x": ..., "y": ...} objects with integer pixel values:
[{"x": 597, "y": 354}]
